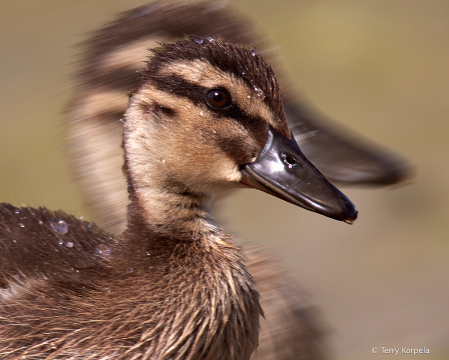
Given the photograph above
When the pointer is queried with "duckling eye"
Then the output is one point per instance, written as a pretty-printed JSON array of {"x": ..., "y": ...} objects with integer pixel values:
[{"x": 218, "y": 99}]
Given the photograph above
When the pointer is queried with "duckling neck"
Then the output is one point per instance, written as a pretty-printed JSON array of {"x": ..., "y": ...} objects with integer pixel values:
[
  {"x": 162, "y": 219},
  {"x": 195, "y": 270}
]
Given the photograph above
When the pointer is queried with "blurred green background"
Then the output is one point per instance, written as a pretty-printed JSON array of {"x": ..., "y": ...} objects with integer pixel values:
[{"x": 380, "y": 67}]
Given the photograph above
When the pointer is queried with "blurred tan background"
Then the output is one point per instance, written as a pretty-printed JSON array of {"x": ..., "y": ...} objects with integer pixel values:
[{"x": 380, "y": 67}]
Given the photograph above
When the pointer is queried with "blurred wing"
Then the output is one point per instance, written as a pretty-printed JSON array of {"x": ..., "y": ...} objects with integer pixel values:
[{"x": 340, "y": 155}]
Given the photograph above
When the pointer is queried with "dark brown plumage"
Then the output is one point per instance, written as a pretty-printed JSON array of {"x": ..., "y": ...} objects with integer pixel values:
[{"x": 47, "y": 243}]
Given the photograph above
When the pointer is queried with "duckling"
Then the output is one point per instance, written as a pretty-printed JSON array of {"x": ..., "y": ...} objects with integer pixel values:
[
  {"x": 111, "y": 67},
  {"x": 207, "y": 117}
]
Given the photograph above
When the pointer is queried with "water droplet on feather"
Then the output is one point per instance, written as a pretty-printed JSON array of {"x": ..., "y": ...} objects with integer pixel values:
[
  {"x": 59, "y": 226},
  {"x": 103, "y": 251}
]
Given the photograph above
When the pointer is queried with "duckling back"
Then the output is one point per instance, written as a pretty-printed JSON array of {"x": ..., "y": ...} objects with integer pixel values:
[
  {"x": 51, "y": 245},
  {"x": 48, "y": 260}
]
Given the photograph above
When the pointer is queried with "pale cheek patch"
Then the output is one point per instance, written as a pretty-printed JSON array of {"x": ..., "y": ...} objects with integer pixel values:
[
  {"x": 187, "y": 153},
  {"x": 231, "y": 173},
  {"x": 219, "y": 175}
]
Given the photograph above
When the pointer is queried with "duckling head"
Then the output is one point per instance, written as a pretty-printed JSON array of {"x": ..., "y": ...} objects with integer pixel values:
[{"x": 209, "y": 117}]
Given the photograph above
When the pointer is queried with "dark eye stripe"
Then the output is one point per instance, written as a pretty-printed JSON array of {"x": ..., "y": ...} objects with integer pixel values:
[
  {"x": 178, "y": 86},
  {"x": 174, "y": 84}
]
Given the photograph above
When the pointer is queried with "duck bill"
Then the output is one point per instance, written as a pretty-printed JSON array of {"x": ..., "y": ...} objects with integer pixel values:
[{"x": 282, "y": 170}]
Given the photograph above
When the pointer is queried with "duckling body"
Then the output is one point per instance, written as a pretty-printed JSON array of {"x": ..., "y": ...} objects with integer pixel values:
[
  {"x": 93, "y": 306},
  {"x": 207, "y": 117},
  {"x": 78, "y": 299}
]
